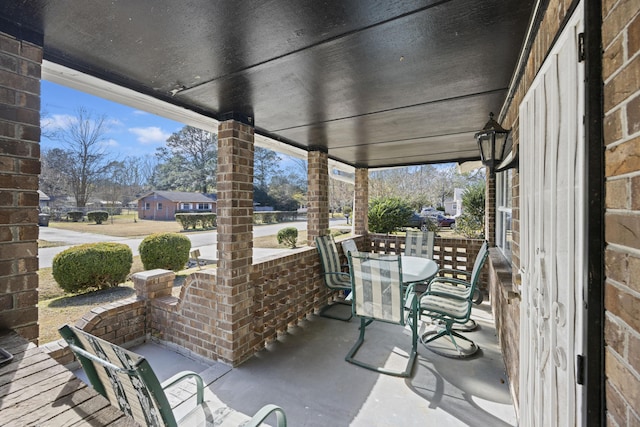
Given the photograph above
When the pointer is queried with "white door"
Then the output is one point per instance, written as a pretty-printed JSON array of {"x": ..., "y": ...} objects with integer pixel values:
[{"x": 552, "y": 247}]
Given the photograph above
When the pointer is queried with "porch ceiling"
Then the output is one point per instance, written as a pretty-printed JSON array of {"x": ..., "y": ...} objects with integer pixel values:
[{"x": 377, "y": 83}]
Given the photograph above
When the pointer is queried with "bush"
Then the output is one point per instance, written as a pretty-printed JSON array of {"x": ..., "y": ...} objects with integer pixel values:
[
  {"x": 164, "y": 250},
  {"x": 385, "y": 215},
  {"x": 471, "y": 223},
  {"x": 92, "y": 265},
  {"x": 75, "y": 216},
  {"x": 193, "y": 220},
  {"x": 97, "y": 216},
  {"x": 288, "y": 236}
]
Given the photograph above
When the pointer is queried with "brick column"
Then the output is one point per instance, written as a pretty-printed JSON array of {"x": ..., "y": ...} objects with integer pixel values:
[
  {"x": 317, "y": 195},
  {"x": 235, "y": 241},
  {"x": 361, "y": 202},
  {"x": 20, "y": 63},
  {"x": 490, "y": 209}
]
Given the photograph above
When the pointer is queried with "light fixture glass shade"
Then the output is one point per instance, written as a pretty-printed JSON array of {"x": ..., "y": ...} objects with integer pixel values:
[{"x": 492, "y": 141}]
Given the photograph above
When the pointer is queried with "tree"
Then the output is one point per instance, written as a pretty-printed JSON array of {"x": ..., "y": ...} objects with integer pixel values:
[
  {"x": 265, "y": 166},
  {"x": 84, "y": 155},
  {"x": 189, "y": 162},
  {"x": 471, "y": 222},
  {"x": 53, "y": 178}
]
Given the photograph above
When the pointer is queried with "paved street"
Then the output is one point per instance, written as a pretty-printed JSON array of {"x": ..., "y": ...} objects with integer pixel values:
[{"x": 205, "y": 241}]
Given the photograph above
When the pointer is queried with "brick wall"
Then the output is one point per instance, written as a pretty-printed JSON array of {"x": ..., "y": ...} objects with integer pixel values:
[
  {"x": 361, "y": 202},
  {"x": 20, "y": 64},
  {"x": 621, "y": 75},
  {"x": 233, "y": 291},
  {"x": 317, "y": 195}
]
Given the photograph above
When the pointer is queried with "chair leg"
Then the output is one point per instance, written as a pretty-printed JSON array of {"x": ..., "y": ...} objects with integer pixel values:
[
  {"x": 350, "y": 357},
  {"x": 449, "y": 332}
]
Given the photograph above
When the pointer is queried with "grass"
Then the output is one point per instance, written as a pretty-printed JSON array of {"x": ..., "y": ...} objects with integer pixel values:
[{"x": 121, "y": 226}]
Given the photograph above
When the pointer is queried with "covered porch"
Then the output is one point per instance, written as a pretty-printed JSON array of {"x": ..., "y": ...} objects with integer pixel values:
[{"x": 358, "y": 86}]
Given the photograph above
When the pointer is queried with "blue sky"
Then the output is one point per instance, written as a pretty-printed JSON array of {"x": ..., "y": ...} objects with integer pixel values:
[{"x": 131, "y": 132}]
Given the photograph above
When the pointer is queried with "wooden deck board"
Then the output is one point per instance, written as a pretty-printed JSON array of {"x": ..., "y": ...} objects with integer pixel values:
[{"x": 36, "y": 390}]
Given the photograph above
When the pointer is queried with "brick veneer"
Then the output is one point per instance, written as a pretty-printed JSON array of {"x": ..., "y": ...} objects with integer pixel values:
[
  {"x": 621, "y": 76},
  {"x": 317, "y": 195},
  {"x": 361, "y": 202},
  {"x": 20, "y": 64},
  {"x": 235, "y": 242}
]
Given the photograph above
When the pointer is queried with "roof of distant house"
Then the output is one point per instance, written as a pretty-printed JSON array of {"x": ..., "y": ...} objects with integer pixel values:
[
  {"x": 181, "y": 196},
  {"x": 43, "y": 196}
]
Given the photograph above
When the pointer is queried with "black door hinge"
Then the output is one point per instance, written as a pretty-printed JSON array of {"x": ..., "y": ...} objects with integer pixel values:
[
  {"x": 581, "y": 56},
  {"x": 580, "y": 370}
]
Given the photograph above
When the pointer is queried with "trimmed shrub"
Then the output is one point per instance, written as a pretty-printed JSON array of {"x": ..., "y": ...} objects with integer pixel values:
[
  {"x": 92, "y": 265},
  {"x": 165, "y": 250},
  {"x": 193, "y": 220},
  {"x": 97, "y": 216},
  {"x": 75, "y": 216},
  {"x": 385, "y": 215},
  {"x": 288, "y": 236}
]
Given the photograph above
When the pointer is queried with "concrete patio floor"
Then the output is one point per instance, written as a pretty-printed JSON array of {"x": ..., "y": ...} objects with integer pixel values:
[{"x": 305, "y": 373}]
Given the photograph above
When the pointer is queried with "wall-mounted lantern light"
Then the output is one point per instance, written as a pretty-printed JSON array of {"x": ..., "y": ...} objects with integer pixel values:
[{"x": 492, "y": 141}]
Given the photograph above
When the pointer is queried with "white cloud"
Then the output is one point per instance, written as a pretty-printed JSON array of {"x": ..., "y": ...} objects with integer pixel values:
[
  {"x": 57, "y": 121},
  {"x": 140, "y": 113},
  {"x": 110, "y": 143},
  {"x": 150, "y": 135}
]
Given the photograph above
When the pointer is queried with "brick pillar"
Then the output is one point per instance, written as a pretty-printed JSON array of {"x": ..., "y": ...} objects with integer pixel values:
[
  {"x": 235, "y": 241},
  {"x": 490, "y": 209},
  {"x": 317, "y": 195},
  {"x": 20, "y": 63},
  {"x": 361, "y": 202}
]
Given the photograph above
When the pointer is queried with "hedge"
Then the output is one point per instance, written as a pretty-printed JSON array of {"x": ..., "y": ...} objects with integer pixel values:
[
  {"x": 288, "y": 236},
  {"x": 97, "y": 216},
  {"x": 193, "y": 220}
]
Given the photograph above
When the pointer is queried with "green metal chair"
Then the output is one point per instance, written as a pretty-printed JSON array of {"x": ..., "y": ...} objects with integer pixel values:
[
  {"x": 334, "y": 278},
  {"x": 448, "y": 301},
  {"x": 379, "y": 294},
  {"x": 128, "y": 382},
  {"x": 419, "y": 243}
]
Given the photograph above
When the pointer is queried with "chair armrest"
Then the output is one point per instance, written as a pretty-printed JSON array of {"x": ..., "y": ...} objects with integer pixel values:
[
  {"x": 184, "y": 375},
  {"x": 450, "y": 280},
  {"x": 264, "y": 412}
]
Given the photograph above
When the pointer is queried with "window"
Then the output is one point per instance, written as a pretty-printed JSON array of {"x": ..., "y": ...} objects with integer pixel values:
[
  {"x": 185, "y": 206},
  {"x": 204, "y": 206},
  {"x": 503, "y": 212},
  {"x": 147, "y": 206},
  {"x": 159, "y": 206}
]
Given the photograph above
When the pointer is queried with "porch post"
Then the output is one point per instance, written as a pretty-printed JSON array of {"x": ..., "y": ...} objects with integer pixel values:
[
  {"x": 490, "y": 209},
  {"x": 361, "y": 202},
  {"x": 235, "y": 241},
  {"x": 19, "y": 169},
  {"x": 317, "y": 195}
]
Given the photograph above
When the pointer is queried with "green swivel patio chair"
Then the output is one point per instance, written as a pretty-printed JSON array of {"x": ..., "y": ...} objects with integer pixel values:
[
  {"x": 379, "y": 294},
  {"x": 128, "y": 382},
  {"x": 462, "y": 287},
  {"x": 334, "y": 278},
  {"x": 448, "y": 301},
  {"x": 419, "y": 243}
]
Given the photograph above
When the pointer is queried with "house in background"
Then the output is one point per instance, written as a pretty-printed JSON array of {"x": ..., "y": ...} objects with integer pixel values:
[
  {"x": 43, "y": 201},
  {"x": 163, "y": 205}
]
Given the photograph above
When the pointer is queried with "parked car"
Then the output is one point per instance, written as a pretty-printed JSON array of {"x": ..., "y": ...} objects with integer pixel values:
[
  {"x": 445, "y": 221},
  {"x": 415, "y": 221}
]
